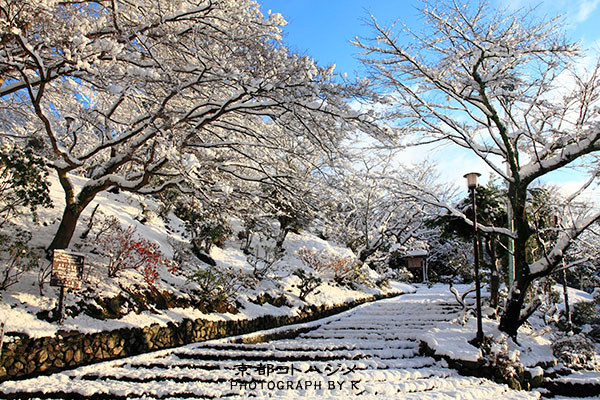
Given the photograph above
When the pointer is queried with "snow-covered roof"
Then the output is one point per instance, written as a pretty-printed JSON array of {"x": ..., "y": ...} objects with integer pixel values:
[{"x": 416, "y": 253}]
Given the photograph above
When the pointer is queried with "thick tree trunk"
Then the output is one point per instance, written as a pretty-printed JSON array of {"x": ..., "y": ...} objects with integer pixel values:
[
  {"x": 281, "y": 238},
  {"x": 73, "y": 209},
  {"x": 66, "y": 229},
  {"x": 366, "y": 253},
  {"x": 285, "y": 226},
  {"x": 511, "y": 317},
  {"x": 511, "y": 320}
]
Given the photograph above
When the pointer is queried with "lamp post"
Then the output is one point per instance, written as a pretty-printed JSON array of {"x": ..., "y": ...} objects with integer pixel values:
[
  {"x": 69, "y": 120},
  {"x": 472, "y": 185}
]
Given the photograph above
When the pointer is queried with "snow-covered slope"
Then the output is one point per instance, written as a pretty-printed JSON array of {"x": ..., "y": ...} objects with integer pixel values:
[{"x": 26, "y": 305}]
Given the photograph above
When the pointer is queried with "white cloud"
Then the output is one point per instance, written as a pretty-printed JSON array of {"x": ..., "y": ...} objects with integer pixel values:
[
  {"x": 590, "y": 196},
  {"x": 575, "y": 11},
  {"x": 586, "y": 8},
  {"x": 543, "y": 7},
  {"x": 452, "y": 163}
]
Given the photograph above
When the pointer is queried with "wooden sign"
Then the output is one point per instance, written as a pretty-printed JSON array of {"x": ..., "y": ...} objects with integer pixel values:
[{"x": 67, "y": 269}]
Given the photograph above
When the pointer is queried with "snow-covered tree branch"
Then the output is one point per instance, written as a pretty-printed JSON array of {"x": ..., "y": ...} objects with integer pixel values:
[{"x": 138, "y": 96}]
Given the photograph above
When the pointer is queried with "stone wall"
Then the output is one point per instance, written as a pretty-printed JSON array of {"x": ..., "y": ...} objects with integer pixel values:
[{"x": 27, "y": 357}]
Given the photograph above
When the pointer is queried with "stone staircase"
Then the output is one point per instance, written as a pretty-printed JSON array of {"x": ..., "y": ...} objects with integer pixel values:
[{"x": 370, "y": 352}]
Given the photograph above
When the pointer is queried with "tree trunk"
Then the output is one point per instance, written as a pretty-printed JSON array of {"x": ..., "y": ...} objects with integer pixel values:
[
  {"x": 71, "y": 214},
  {"x": 90, "y": 224},
  {"x": 510, "y": 321},
  {"x": 281, "y": 238},
  {"x": 285, "y": 226},
  {"x": 566, "y": 297},
  {"x": 66, "y": 229},
  {"x": 511, "y": 316},
  {"x": 366, "y": 253}
]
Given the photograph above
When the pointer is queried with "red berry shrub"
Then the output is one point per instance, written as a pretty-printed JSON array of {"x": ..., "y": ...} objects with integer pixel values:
[{"x": 125, "y": 250}]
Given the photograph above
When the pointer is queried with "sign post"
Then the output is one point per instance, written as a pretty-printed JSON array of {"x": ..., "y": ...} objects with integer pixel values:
[
  {"x": 67, "y": 272},
  {"x": 1, "y": 336}
]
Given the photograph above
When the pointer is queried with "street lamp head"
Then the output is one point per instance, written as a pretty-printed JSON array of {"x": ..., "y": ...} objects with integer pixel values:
[
  {"x": 472, "y": 179},
  {"x": 69, "y": 120}
]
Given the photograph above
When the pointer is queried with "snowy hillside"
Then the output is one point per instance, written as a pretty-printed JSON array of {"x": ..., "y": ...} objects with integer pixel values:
[{"x": 129, "y": 300}]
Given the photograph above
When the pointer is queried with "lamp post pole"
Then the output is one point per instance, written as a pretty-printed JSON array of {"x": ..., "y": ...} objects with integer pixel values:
[{"x": 472, "y": 185}]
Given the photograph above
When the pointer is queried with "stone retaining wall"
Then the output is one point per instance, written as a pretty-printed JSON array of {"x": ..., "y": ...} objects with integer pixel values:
[{"x": 29, "y": 357}]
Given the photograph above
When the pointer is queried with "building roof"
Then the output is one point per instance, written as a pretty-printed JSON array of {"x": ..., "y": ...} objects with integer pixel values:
[{"x": 417, "y": 253}]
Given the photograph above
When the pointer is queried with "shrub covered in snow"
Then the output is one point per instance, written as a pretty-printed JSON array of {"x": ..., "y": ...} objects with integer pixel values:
[
  {"x": 167, "y": 201},
  {"x": 218, "y": 287},
  {"x": 505, "y": 362},
  {"x": 205, "y": 228},
  {"x": 344, "y": 271},
  {"x": 308, "y": 282},
  {"x": 263, "y": 259},
  {"x": 575, "y": 351},
  {"x": 586, "y": 313},
  {"x": 402, "y": 275}
]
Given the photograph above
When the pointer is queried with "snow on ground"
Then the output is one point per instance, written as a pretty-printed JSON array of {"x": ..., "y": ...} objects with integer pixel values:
[
  {"x": 451, "y": 338},
  {"x": 581, "y": 377},
  {"x": 535, "y": 339},
  {"x": 369, "y": 352}
]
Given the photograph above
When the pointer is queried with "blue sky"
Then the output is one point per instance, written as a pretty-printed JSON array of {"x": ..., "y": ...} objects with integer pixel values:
[{"x": 322, "y": 29}]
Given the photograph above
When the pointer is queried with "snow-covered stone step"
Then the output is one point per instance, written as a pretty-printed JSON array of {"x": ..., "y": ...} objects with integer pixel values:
[
  {"x": 423, "y": 390},
  {"x": 449, "y": 388},
  {"x": 365, "y": 336},
  {"x": 185, "y": 385},
  {"x": 304, "y": 346},
  {"x": 180, "y": 385},
  {"x": 406, "y": 381},
  {"x": 576, "y": 383},
  {"x": 410, "y": 317},
  {"x": 291, "y": 354},
  {"x": 117, "y": 389},
  {"x": 268, "y": 356},
  {"x": 364, "y": 364},
  {"x": 431, "y": 308},
  {"x": 371, "y": 330},
  {"x": 212, "y": 366},
  {"x": 352, "y": 344},
  {"x": 413, "y": 316},
  {"x": 383, "y": 326}
]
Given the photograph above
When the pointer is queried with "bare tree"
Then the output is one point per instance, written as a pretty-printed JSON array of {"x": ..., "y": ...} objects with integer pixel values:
[
  {"x": 142, "y": 96},
  {"x": 507, "y": 87},
  {"x": 372, "y": 210}
]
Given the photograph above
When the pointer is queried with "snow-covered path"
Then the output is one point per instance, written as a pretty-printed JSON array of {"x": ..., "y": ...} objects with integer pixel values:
[{"x": 371, "y": 352}]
